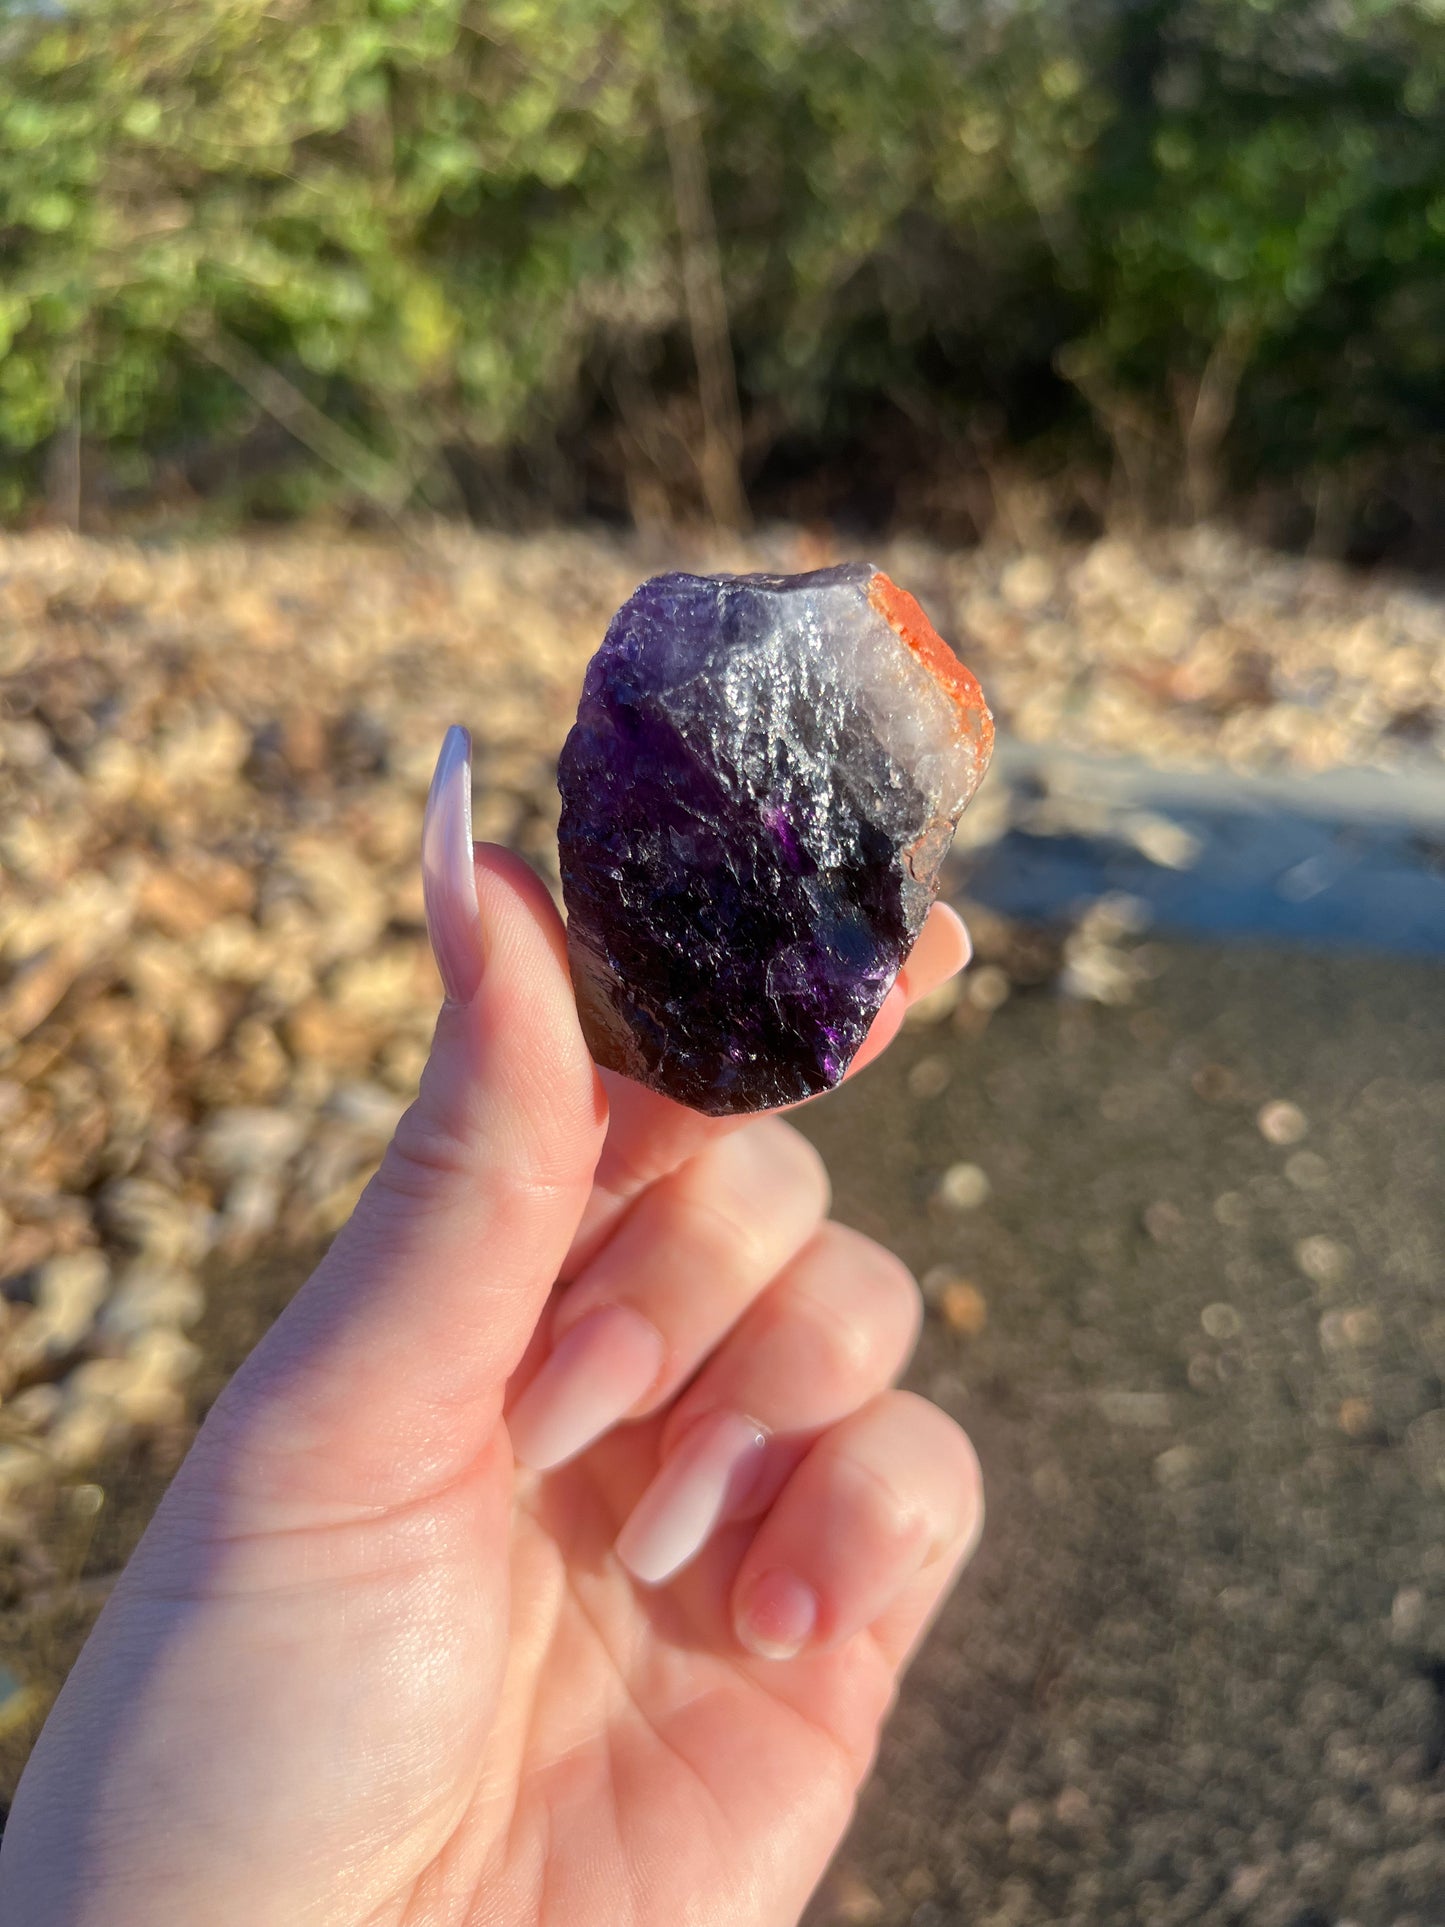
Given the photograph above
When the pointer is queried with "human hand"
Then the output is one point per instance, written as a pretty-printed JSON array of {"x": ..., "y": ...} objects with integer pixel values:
[{"x": 374, "y": 1663}]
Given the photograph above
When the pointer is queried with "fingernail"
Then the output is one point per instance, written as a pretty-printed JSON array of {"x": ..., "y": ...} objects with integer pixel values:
[
  {"x": 707, "y": 1474},
  {"x": 596, "y": 1374},
  {"x": 449, "y": 882},
  {"x": 963, "y": 939},
  {"x": 777, "y": 1615}
]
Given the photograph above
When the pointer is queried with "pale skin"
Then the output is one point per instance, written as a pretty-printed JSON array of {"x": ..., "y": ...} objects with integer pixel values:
[{"x": 369, "y": 1668}]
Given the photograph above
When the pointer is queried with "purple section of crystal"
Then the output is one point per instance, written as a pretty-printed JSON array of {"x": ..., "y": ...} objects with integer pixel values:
[{"x": 735, "y": 837}]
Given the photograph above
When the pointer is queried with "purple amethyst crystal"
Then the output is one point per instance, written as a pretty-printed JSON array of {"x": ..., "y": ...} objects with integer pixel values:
[{"x": 763, "y": 779}]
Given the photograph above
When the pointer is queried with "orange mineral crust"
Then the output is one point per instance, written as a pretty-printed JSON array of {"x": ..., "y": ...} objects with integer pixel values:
[{"x": 906, "y": 619}]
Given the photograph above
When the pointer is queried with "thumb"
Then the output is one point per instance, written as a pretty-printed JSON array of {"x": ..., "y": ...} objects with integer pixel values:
[{"x": 384, "y": 1377}]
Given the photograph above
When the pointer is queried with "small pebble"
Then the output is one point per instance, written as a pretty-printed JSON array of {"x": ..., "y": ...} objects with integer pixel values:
[
  {"x": 1027, "y": 583},
  {"x": 148, "y": 1295},
  {"x": 1202, "y": 1372},
  {"x": 1073, "y": 1806},
  {"x": 964, "y": 1308},
  {"x": 1025, "y": 1820},
  {"x": 1164, "y": 1222},
  {"x": 987, "y": 987},
  {"x": 70, "y": 1288},
  {"x": 963, "y": 1187},
  {"x": 1179, "y": 1466},
  {"x": 1147, "y": 1410},
  {"x": 929, "y": 1077},
  {"x": 251, "y": 1209},
  {"x": 1246, "y": 1884},
  {"x": 1407, "y": 1612},
  {"x": 370, "y": 1107},
  {"x": 1161, "y": 839},
  {"x": 1322, "y": 1259},
  {"x": 1282, "y": 1122},
  {"x": 1361, "y": 1327},
  {"x": 852, "y": 1902},
  {"x": 1220, "y": 1321},
  {"x": 240, "y": 1140},
  {"x": 1307, "y": 1171},
  {"x": 1215, "y": 1083}
]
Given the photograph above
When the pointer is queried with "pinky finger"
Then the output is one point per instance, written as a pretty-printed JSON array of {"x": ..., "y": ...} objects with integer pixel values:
[{"x": 868, "y": 1532}]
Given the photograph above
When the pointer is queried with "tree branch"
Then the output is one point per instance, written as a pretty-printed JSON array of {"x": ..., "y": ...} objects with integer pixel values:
[
  {"x": 707, "y": 314},
  {"x": 301, "y": 418}
]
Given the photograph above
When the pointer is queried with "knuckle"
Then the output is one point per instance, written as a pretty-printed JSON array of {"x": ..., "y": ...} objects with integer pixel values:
[
  {"x": 428, "y": 1162},
  {"x": 423, "y": 1157},
  {"x": 907, "y": 1470},
  {"x": 843, "y": 1347},
  {"x": 953, "y": 1488},
  {"x": 768, "y": 1186},
  {"x": 862, "y": 1307},
  {"x": 896, "y": 1286},
  {"x": 877, "y": 1275},
  {"x": 897, "y": 1521},
  {"x": 723, "y": 1239}
]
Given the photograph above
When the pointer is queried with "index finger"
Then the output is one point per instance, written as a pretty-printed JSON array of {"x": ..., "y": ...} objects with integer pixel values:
[{"x": 649, "y": 1135}]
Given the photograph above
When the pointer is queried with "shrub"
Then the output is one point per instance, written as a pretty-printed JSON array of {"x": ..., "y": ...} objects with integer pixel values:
[{"x": 1206, "y": 235}]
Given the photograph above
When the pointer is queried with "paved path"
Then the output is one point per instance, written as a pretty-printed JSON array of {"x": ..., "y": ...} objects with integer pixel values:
[{"x": 1350, "y": 858}]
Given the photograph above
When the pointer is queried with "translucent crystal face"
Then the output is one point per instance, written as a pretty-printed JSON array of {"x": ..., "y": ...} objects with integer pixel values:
[{"x": 764, "y": 776}]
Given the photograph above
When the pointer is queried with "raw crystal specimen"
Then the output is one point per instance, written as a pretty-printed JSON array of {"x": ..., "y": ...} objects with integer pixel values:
[{"x": 764, "y": 776}]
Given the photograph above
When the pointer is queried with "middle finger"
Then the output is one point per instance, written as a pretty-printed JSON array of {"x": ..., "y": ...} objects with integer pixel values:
[
  {"x": 690, "y": 1257},
  {"x": 830, "y": 1333}
]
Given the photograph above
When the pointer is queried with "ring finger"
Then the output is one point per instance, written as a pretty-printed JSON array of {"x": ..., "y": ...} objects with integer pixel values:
[
  {"x": 683, "y": 1266},
  {"x": 831, "y": 1332}
]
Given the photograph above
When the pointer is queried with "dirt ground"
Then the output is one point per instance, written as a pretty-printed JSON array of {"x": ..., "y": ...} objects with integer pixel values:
[
  {"x": 1197, "y": 1672},
  {"x": 1184, "y": 1262}
]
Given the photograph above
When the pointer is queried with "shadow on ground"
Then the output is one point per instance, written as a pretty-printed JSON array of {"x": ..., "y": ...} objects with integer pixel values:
[{"x": 1197, "y": 1672}]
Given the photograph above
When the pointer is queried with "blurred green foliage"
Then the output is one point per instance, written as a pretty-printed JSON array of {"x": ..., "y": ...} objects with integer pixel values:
[{"x": 1203, "y": 237}]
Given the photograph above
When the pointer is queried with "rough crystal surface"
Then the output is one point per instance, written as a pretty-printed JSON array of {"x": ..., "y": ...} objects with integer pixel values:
[{"x": 763, "y": 779}]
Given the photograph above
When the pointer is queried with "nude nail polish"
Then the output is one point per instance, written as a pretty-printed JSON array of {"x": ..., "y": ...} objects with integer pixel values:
[
  {"x": 449, "y": 882},
  {"x": 708, "y": 1473},
  {"x": 596, "y": 1374},
  {"x": 777, "y": 1615}
]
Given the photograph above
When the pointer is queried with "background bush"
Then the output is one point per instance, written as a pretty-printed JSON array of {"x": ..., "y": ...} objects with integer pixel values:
[{"x": 650, "y": 256}]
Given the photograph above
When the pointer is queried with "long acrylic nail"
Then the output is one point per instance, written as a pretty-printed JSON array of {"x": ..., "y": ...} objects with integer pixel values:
[
  {"x": 777, "y": 1615},
  {"x": 596, "y": 1374},
  {"x": 449, "y": 881},
  {"x": 708, "y": 1473}
]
